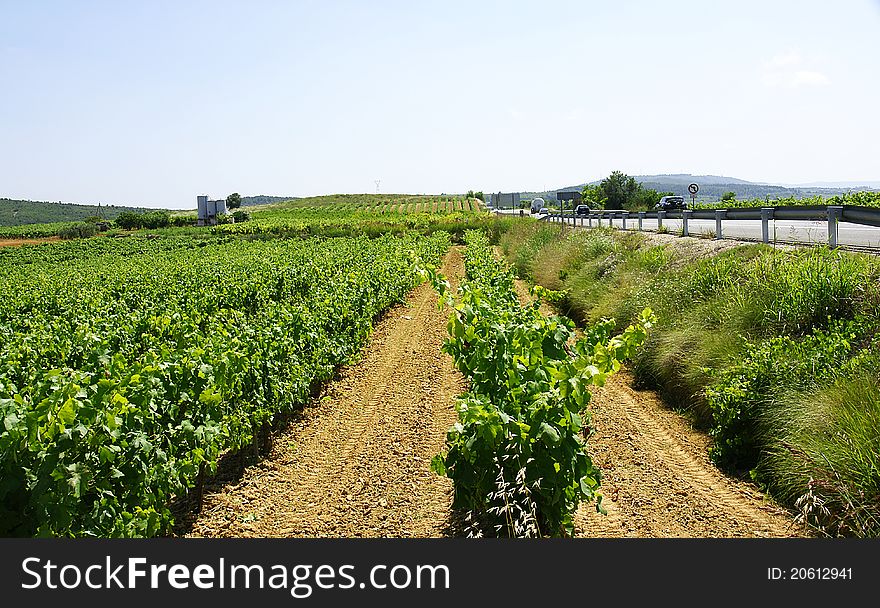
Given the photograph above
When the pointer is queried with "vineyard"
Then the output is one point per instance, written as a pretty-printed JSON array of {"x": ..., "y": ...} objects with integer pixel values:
[
  {"x": 773, "y": 352},
  {"x": 370, "y": 214},
  {"x": 128, "y": 368},
  {"x": 34, "y": 231},
  {"x": 383, "y": 203},
  {"x": 135, "y": 366},
  {"x": 332, "y": 215}
]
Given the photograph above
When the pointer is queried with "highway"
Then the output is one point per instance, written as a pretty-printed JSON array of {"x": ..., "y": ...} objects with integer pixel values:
[{"x": 780, "y": 231}]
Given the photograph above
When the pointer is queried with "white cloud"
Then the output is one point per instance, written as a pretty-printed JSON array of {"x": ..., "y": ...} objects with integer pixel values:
[
  {"x": 789, "y": 69},
  {"x": 809, "y": 78},
  {"x": 783, "y": 60}
]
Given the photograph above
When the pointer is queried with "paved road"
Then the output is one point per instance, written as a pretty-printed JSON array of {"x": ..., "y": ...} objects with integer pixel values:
[{"x": 782, "y": 231}]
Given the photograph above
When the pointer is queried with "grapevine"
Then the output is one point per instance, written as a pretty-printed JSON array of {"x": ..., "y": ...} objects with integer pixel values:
[{"x": 516, "y": 456}]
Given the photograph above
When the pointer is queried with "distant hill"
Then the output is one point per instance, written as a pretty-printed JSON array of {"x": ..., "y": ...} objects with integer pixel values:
[
  {"x": 17, "y": 213},
  {"x": 873, "y": 185},
  {"x": 713, "y": 186},
  {"x": 686, "y": 178}
]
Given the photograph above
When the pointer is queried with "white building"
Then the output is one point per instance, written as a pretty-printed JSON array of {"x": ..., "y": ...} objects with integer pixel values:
[{"x": 209, "y": 210}]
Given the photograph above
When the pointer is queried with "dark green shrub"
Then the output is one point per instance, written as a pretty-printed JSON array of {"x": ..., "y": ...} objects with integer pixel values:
[
  {"x": 150, "y": 220},
  {"x": 80, "y": 230},
  {"x": 128, "y": 220},
  {"x": 183, "y": 220},
  {"x": 155, "y": 219}
]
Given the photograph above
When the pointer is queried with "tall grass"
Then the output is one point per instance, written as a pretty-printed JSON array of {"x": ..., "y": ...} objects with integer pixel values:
[{"x": 822, "y": 455}]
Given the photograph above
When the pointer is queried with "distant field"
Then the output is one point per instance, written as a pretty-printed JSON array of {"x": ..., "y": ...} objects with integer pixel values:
[
  {"x": 380, "y": 203},
  {"x": 371, "y": 214},
  {"x": 331, "y": 215}
]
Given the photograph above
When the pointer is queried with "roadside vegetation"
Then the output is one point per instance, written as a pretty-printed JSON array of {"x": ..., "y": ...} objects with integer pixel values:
[
  {"x": 863, "y": 199},
  {"x": 621, "y": 191},
  {"x": 773, "y": 352}
]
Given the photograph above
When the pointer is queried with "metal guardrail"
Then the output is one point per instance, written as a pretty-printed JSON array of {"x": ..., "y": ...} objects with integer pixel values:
[{"x": 833, "y": 214}]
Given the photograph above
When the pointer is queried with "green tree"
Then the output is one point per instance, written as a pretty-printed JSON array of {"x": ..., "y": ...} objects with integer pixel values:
[
  {"x": 594, "y": 197},
  {"x": 621, "y": 190},
  {"x": 646, "y": 199},
  {"x": 155, "y": 219},
  {"x": 728, "y": 196},
  {"x": 129, "y": 220},
  {"x": 233, "y": 201}
]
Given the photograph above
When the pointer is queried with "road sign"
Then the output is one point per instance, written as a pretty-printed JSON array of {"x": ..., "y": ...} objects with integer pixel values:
[
  {"x": 568, "y": 196},
  {"x": 693, "y": 189}
]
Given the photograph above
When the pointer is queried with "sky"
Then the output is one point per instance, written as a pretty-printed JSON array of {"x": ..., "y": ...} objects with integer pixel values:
[{"x": 153, "y": 103}]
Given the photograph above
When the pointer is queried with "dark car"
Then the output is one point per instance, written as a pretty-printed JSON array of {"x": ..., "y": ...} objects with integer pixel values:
[
  {"x": 671, "y": 202},
  {"x": 582, "y": 210}
]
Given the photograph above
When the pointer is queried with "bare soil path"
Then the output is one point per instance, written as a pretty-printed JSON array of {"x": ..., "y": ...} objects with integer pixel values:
[
  {"x": 20, "y": 242},
  {"x": 658, "y": 481},
  {"x": 357, "y": 462}
]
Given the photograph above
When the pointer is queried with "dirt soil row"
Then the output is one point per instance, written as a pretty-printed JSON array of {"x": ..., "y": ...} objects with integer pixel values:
[
  {"x": 20, "y": 242},
  {"x": 658, "y": 481}
]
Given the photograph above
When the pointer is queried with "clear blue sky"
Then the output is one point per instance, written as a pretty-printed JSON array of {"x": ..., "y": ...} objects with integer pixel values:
[{"x": 152, "y": 103}]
